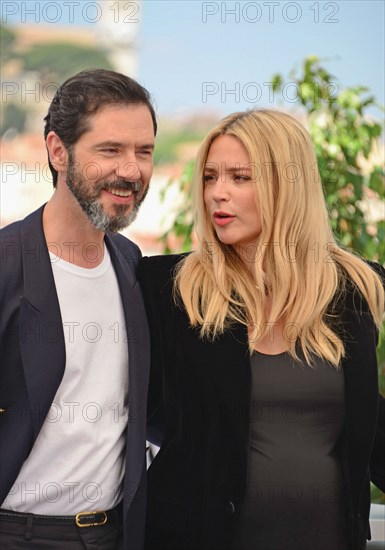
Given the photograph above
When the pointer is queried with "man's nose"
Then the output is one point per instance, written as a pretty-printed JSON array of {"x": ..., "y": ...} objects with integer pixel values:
[{"x": 127, "y": 168}]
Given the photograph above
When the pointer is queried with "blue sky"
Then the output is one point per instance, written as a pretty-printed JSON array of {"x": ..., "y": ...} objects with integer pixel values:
[{"x": 192, "y": 54}]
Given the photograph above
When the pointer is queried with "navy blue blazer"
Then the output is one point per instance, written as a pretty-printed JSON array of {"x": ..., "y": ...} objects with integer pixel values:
[{"x": 32, "y": 357}]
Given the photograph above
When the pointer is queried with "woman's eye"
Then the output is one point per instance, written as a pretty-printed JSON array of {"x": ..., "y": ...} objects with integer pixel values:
[
  {"x": 208, "y": 178},
  {"x": 240, "y": 177}
]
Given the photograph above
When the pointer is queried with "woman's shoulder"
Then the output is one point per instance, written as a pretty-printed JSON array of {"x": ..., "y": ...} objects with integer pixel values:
[
  {"x": 349, "y": 298},
  {"x": 160, "y": 264},
  {"x": 158, "y": 269},
  {"x": 379, "y": 269}
]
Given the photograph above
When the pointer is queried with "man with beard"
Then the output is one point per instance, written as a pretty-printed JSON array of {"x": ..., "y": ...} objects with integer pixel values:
[{"x": 74, "y": 339}]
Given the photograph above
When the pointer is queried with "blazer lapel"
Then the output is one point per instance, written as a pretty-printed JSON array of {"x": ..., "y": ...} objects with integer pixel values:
[
  {"x": 41, "y": 333},
  {"x": 139, "y": 361}
]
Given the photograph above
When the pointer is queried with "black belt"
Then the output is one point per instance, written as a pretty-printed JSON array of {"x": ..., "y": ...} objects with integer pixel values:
[{"x": 83, "y": 519}]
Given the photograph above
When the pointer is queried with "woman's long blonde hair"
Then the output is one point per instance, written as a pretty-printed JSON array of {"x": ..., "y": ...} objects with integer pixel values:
[{"x": 296, "y": 259}]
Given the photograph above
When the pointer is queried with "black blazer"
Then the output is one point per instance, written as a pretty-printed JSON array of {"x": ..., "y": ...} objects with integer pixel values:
[
  {"x": 200, "y": 392},
  {"x": 32, "y": 357}
]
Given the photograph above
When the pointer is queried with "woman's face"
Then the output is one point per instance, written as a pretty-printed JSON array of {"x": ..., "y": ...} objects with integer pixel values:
[{"x": 229, "y": 193}]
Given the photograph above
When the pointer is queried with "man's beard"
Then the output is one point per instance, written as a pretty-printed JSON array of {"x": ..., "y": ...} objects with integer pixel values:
[{"x": 88, "y": 199}]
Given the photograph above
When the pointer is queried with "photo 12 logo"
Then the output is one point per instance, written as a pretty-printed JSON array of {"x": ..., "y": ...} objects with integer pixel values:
[
  {"x": 271, "y": 12},
  {"x": 69, "y": 12},
  {"x": 254, "y": 92}
]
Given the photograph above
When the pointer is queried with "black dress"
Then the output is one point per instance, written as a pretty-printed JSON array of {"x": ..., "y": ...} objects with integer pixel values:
[{"x": 295, "y": 498}]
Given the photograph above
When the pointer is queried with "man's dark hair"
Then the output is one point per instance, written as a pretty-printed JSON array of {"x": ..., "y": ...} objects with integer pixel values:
[{"x": 83, "y": 95}]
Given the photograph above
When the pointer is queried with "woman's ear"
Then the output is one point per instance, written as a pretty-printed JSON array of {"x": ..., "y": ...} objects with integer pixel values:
[{"x": 57, "y": 152}]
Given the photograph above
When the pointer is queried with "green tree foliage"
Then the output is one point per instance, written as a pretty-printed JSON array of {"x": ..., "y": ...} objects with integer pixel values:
[
  {"x": 57, "y": 61},
  {"x": 343, "y": 136},
  {"x": 182, "y": 226},
  {"x": 52, "y": 62},
  {"x": 168, "y": 142},
  {"x": 12, "y": 116},
  {"x": 7, "y": 40}
]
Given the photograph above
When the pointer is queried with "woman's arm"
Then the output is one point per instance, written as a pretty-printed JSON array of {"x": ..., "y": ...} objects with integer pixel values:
[{"x": 377, "y": 460}]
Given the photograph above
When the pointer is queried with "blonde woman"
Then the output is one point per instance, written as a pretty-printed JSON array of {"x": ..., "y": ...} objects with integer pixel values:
[{"x": 264, "y": 373}]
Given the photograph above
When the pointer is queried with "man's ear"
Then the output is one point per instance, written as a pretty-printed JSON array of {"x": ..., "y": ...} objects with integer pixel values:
[{"x": 58, "y": 154}]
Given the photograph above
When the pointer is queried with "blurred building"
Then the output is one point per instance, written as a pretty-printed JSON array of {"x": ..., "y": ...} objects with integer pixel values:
[{"x": 118, "y": 31}]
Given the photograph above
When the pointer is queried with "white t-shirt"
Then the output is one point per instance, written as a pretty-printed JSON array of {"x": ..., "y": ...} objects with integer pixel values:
[{"x": 77, "y": 461}]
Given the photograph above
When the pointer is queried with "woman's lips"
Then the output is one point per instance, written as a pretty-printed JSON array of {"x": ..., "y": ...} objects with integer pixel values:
[{"x": 223, "y": 218}]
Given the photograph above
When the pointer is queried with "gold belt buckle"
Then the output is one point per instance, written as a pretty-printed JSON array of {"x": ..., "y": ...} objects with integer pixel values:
[{"x": 93, "y": 524}]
